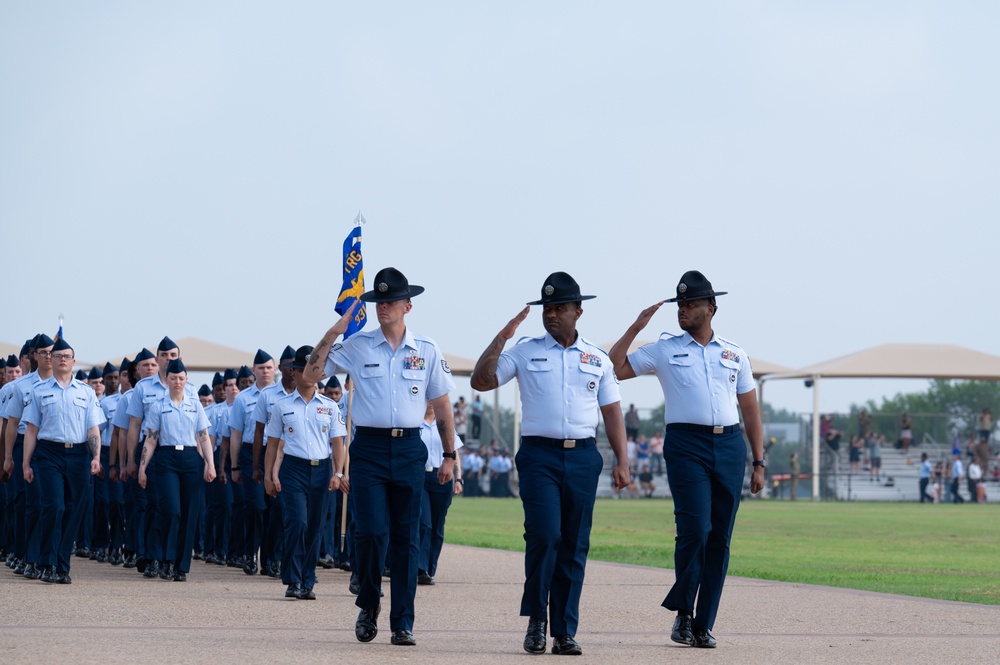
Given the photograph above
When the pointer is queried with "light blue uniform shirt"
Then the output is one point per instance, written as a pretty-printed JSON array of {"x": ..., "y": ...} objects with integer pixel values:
[
  {"x": 700, "y": 384},
  {"x": 431, "y": 437},
  {"x": 122, "y": 419},
  {"x": 109, "y": 405},
  {"x": 221, "y": 426},
  {"x": 268, "y": 396},
  {"x": 177, "y": 424},
  {"x": 62, "y": 414},
  {"x": 19, "y": 398},
  {"x": 241, "y": 415},
  {"x": 149, "y": 391},
  {"x": 562, "y": 390},
  {"x": 392, "y": 388},
  {"x": 305, "y": 428}
]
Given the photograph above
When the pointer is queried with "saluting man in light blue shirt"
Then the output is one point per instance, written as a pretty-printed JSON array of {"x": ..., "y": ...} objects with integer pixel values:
[{"x": 565, "y": 382}]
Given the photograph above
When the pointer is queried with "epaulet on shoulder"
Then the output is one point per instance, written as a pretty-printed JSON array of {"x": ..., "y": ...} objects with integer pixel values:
[
  {"x": 324, "y": 398},
  {"x": 728, "y": 341},
  {"x": 526, "y": 339},
  {"x": 666, "y": 335},
  {"x": 589, "y": 343}
]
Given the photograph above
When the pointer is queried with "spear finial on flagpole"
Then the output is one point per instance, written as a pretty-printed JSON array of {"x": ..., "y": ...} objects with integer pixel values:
[{"x": 359, "y": 220}]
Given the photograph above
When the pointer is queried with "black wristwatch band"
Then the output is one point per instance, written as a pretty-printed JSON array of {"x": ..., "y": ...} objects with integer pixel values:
[
  {"x": 760, "y": 463},
  {"x": 450, "y": 455}
]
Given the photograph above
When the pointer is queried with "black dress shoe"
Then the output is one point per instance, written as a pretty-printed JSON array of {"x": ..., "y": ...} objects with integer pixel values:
[
  {"x": 233, "y": 563},
  {"x": 366, "y": 627},
  {"x": 83, "y": 553},
  {"x": 141, "y": 563},
  {"x": 198, "y": 555},
  {"x": 534, "y": 639},
  {"x": 250, "y": 565},
  {"x": 565, "y": 645},
  {"x": 327, "y": 562},
  {"x": 306, "y": 594},
  {"x": 129, "y": 560},
  {"x": 30, "y": 571},
  {"x": 93, "y": 555},
  {"x": 682, "y": 630},
  {"x": 219, "y": 560},
  {"x": 152, "y": 569},
  {"x": 63, "y": 578},
  {"x": 101, "y": 556},
  {"x": 403, "y": 638},
  {"x": 424, "y": 579},
  {"x": 180, "y": 576},
  {"x": 167, "y": 571},
  {"x": 386, "y": 572},
  {"x": 49, "y": 575},
  {"x": 293, "y": 591},
  {"x": 345, "y": 566},
  {"x": 20, "y": 567},
  {"x": 355, "y": 586},
  {"x": 703, "y": 639}
]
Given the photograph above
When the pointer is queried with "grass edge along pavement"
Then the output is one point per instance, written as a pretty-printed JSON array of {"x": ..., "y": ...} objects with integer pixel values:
[{"x": 941, "y": 551}]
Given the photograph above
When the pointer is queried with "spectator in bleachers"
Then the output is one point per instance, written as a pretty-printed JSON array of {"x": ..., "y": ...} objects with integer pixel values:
[
  {"x": 656, "y": 453},
  {"x": 855, "y": 458},
  {"x": 641, "y": 452},
  {"x": 875, "y": 457},
  {"x": 632, "y": 422},
  {"x": 906, "y": 434},
  {"x": 985, "y": 422},
  {"x": 864, "y": 422},
  {"x": 646, "y": 481}
]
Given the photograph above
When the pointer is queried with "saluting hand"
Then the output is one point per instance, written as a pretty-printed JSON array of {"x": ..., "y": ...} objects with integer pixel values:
[
  {"x": 511, "y": 327},
  {"x": 340, "y": 327},
  {"x": 645, "y": 315}
]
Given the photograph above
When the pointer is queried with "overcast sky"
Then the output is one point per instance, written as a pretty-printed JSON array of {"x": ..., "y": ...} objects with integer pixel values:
[{"x": 192, "y": 168}]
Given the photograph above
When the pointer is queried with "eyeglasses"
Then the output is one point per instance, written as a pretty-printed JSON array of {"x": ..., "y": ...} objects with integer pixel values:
[
  {"x": 61, "y": 356},
  {"x": 44, "y": 354}
]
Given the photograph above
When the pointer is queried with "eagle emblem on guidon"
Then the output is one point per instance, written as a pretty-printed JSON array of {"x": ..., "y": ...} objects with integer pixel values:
[
  {"x": 383, "y": 287},
  {"x": 548, "y": 290},
  {"x": 682, "y": 287}
]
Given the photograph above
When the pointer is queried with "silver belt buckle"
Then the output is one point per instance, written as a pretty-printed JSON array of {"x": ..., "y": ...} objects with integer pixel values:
[
  {"x": 569, "y": 443},
  {"x": 67, "y": 445},
  {"x": 314, "y": 462},
  {"x": 396, "y": 433},
  {"x": 178, "y": 448},
  {"x": 717, "y": 429}
]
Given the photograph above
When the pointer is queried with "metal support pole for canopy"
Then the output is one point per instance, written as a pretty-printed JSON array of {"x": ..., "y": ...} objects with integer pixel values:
[{"x": 815, "y": 437}]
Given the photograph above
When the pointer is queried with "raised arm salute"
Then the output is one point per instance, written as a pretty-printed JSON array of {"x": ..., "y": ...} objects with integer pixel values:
[
  {"x": 395, "y": 372},
  {"x": 564, "y": 380},
  {"x": 704, "y": 377}
]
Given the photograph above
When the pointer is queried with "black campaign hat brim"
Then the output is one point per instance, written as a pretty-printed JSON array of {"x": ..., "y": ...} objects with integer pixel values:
[
  {"x": 392, "y": 296},
  {"x": 700, "y": 296},
  {"x": 559, "y": 300}
]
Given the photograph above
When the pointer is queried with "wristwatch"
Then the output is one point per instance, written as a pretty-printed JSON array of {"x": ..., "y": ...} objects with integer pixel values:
[
  {"x": 450, "y": 455},
  {"x": 338, "y": 475},
  {"x": 759, "y": 462}
]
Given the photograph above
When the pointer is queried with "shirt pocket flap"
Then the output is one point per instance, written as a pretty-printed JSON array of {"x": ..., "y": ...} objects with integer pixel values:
[
  {"x": 372, "y": 370},
  {"x": 591, "y": 369},
  {"x": 682, "y": 360},
  {"x": 415, "y": 374},
  {"x": 731, "y": 364},
  {"x": 538, "y": 366}
]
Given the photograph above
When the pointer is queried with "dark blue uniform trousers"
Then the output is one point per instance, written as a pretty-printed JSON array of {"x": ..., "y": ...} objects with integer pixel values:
[
  {"x": 434, "y": 504},
  {"x": 62, "y": 479},
  {"x": 558, "y": 488},
  {"x": 152, "y": 538},
  {"x": 27, "y": 507},
  {"x": 238, "y": 528},
  {"x": 705, "y": 473},
  {"x": 305, "y": 497},
  {"x": 218, "y": 521},
  {"x": 253, "y": 502},
  {"x": 180, "y": 486},
  {"x": 108, "y": 504},
  {"x": 387, "y": 479}
]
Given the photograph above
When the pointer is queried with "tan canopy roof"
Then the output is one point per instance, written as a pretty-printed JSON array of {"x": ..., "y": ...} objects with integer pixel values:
[
  {"x": 9, "y": 350},
  {"x": 202, "y": 356},
  {"x": 460, "y": 366},
  {"x": 760, "y": 367},
  {"x": 906, "y": 361}
]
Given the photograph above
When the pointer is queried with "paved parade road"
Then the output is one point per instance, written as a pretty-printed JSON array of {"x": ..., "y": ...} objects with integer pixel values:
[{"x": 111, "y": 615}]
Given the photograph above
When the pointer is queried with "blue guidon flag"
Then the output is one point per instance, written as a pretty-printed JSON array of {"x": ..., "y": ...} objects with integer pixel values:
[{"x": 354, "y": 279}]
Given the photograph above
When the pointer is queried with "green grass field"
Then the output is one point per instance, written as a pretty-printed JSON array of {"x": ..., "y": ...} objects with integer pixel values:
[{"x": 934, "y": 551}]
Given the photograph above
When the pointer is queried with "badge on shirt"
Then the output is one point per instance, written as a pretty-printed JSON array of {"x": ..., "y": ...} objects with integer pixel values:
[
  {"x": 444, "y": 366},
  {"x": 590, "y": 359},
  {"x": 414, "y": 390},
  {"x": 291, "y": 430},
  {"x": 592, "y": 385},
  {"x": 414, "y": 362},
  {"x": 728, "y": 354}
]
